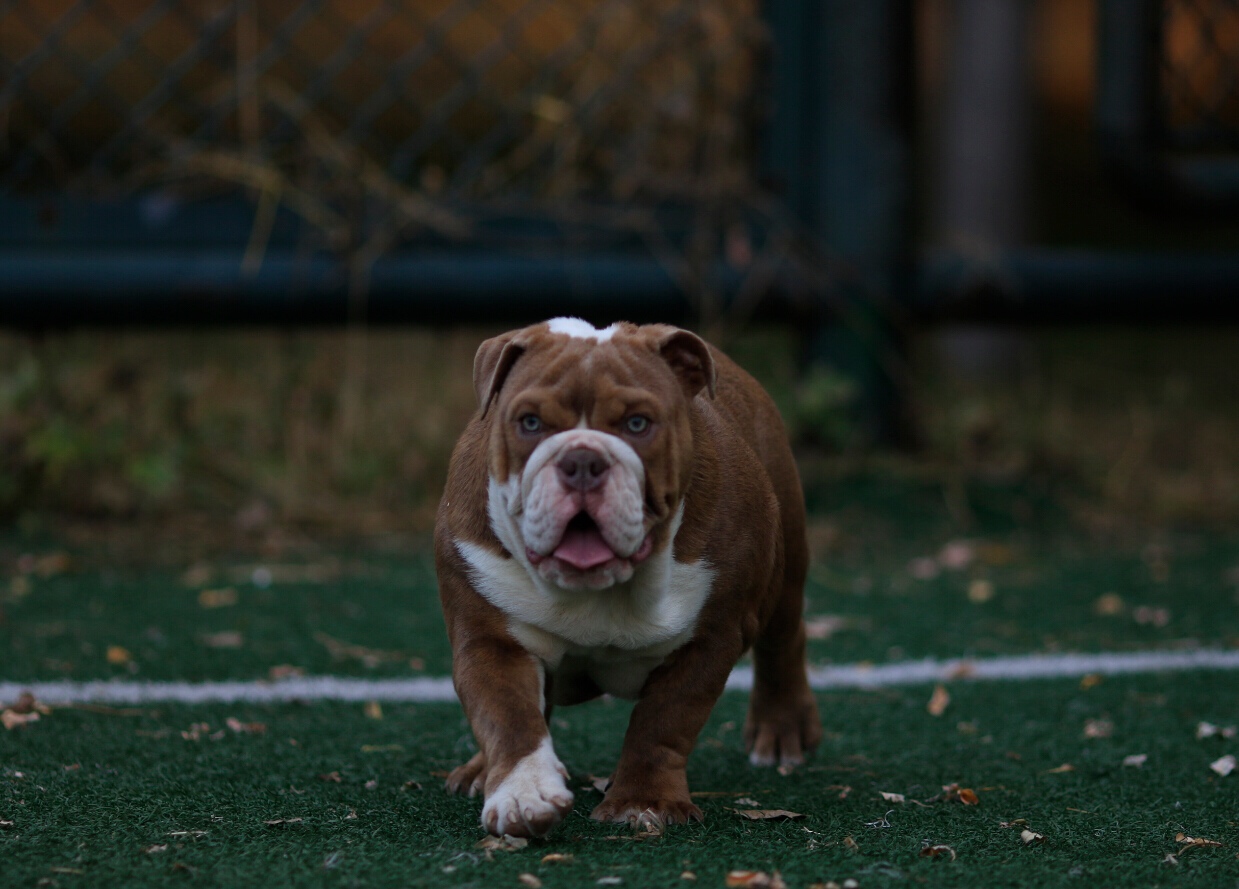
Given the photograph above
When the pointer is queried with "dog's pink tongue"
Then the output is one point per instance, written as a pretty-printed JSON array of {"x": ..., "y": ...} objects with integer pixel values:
[{"x": 583, "y": 549}]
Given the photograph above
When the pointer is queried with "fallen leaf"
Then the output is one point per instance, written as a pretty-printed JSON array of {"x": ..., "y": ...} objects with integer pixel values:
[
  {"x": 1090, "y": 680},
  {"x": 373, "y": 710},
  {"x": 219, "y": 598},
  {"x": 412, "y": 785},
  {"x": 27, "y": 703},
  {"x": 953, "y": 793},
  {"x": 1170, "y": 859},
  {"x": 1149, "y": 616},
  {"x": 938, "y": 701},
  {"x": 368, "y": 657},
  {"x": 1065, "y": 767},
  {"x": 1136, "y": 760},
  {"x": 556, "y": 858},
  {"x": 12, "y": 719},
  {"x": 785, "y": 769},
  {"x": 1030, "y": 838},
  {"x": 1209, "y": 730},
  {"x": 1108, "y": 605},
  {"x": 844, "y": 789},
  {"x": 768, "y": 814},
  {"x": 1189, "y": 842},
  {"x": 688, "y": 875},
  {"x": 5, "y": 825},
  {"x": 118, "y": 655},
  {"x": 332, "y": 777},
  {"x": 610, "y": 881},
  {"x": 282, "y": 822},
  {"x": 850, "y": 844},
  {"x": 191, "y": 834},
  {"x": 823, "y": 626},
  {"x": 937, "y": 850},
  {"x": 245, "y": 728},
  {"x": 530, "y": 880},
  {"x": 224, "y": 639},
  {"x": 1018, "y": 822},
  {"x": 892, "y": 797},
  {"x": 372, "y": 784},
  {"x": 382, "y": 748},
  {"x": 980, "y": 591},
  {"x": 957, "y": 554},
  {"x": 156, "y": 849},
  {"x": 67, "y": 870},
  {"x": 755, "y": 879},
  {"x": 501, "y": 844},
  {"x": 284, "y": 671},
  {"x": 1098, "y": 728},
  {"x": 746, "y": 801},
  {"x": 1223, "y": 766}
]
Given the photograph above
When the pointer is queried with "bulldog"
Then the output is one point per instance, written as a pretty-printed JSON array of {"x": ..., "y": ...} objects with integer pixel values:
[{"x": 622, "y": 516}]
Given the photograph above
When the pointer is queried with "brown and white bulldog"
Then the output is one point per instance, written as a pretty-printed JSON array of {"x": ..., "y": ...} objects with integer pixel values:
[{"x": 622, "y": 516}]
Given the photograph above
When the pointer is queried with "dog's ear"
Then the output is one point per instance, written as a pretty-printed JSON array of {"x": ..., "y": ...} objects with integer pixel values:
[
  {"x": 492, "y": 363},
  {"x": 690, "y": 359}
]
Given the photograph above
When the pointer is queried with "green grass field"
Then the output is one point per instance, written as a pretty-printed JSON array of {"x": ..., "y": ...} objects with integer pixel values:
[{"x": 169, "y": 794}]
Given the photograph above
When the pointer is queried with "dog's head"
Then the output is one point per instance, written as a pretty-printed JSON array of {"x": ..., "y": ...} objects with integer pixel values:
[{"x": 590, "y": 449}]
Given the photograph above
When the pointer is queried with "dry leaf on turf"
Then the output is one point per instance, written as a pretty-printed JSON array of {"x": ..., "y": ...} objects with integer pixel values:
[
  {"x": 1136, "y": 760},
  {"x": 556, "y": 858},
  {"x": 1209, "y": 730},
  {"x": 610, "y": 881},
  {"x": 1223, "y": 766},
  {"x": 5, "y": 825},
  {"x": 1031, "y": 838},
  {"x": 224, "y": 639},
  {"x": 688, "y": 875},
  {"x": 245, "y": 728},
  {"x": 1065, "y": 767},
  {"x": 748, "y": 801},
  {"x": 768, "y": 814},
  {"x": 755, "y": 879},
  {"x": 1018, "y": 822},
  {"x": 11, "y": 719},
  {"x": 373, "y": 710},
  {"x": 1098, "y": 728},
  {"x": 118, "y": 655},
  {"x": 282, "y": 822},
  {"x": 221, "y": 598},
  {"x": 892, "y": 797},
  {"x": 332, "y": 777},
  {"x": 938, "y": 701},
  {"x": 1194, "y": 843},
  {"x": 953, "y": 793},
  {"x": 156, "y": 849},
  {"x": 530, "y": 880},
  {"x": 937, "y": 850}
]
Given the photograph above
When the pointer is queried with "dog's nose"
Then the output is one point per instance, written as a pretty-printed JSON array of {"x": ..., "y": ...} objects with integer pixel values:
[{"x": 582, "y": 468}]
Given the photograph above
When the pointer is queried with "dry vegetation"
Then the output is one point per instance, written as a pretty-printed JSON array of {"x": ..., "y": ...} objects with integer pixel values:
[{"x": 336, "y": 433}]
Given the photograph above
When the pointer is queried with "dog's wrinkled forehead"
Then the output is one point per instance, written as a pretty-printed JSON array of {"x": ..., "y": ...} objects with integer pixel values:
[{"x": 574, "y": 356}]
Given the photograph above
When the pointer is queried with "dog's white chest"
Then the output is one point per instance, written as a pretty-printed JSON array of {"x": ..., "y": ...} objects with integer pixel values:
[{"x": 616, "y": 636}]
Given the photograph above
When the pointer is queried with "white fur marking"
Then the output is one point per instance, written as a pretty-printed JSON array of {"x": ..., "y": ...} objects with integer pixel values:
[
  {"x": 532, "y": 797},
  {"x": 582, "y": 330}
]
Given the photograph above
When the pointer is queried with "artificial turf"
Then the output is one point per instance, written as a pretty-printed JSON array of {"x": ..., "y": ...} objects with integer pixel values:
[{"x": 93, "y": 797}]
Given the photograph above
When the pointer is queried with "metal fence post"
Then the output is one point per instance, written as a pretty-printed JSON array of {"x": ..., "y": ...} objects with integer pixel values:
[{"x": 839, "y": 147}]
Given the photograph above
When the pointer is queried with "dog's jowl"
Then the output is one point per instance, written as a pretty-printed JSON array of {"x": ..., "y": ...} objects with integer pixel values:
[{"x": 622, "y": 516}]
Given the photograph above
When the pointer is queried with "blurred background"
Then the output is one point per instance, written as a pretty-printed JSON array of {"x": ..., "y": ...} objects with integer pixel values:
[{"x": 247, "y": 249}]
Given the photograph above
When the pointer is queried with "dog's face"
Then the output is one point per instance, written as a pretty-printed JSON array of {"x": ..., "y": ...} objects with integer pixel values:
[{"x": 590, "y": 448}]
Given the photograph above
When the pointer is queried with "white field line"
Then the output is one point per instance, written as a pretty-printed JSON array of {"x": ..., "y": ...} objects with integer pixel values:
[{"x": 437, "y": 689}]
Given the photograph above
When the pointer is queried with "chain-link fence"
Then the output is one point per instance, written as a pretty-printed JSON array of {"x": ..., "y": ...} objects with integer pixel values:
[
  {"x": 1199, "y": 75},
  {"x": 380, "y": 120}
]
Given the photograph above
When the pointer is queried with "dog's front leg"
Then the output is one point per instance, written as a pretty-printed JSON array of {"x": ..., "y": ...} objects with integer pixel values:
[
  {"x": 650, "y": 781},
  {"x": 501, "y": 687}
]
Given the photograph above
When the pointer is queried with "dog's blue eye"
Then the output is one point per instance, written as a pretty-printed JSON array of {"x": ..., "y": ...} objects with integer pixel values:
[
  {"x": 637, "y": 424},
  {"x": 530, "y": 423}
]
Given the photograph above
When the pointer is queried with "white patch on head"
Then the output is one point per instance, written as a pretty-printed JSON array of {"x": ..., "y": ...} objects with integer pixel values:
[
  {"x": 532, "y": 799},
  {"x": 582, "y": 330},
  {"x": 615, "y": 636}
]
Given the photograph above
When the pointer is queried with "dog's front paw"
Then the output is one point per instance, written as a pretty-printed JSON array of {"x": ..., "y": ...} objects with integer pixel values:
[
  {"x": 643, "y": 810},
  {"x": 531, "y": 799},
  {"x": 469, "y": 778}
]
